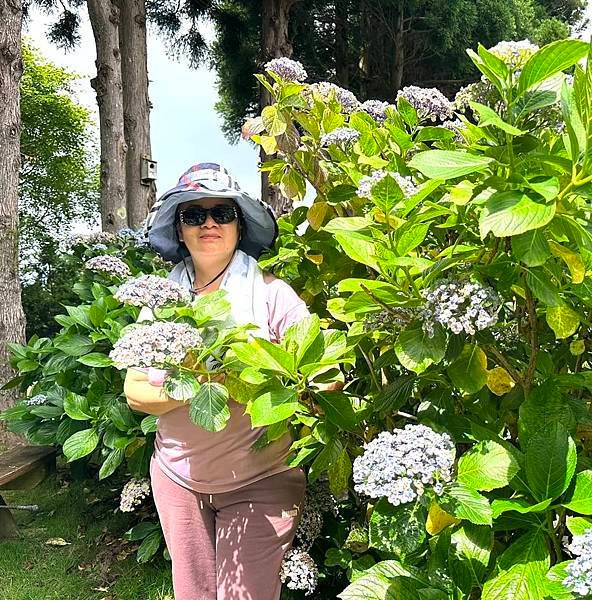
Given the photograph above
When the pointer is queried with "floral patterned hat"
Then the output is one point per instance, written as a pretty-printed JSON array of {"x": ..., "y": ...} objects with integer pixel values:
[{"x": 209, "y": 180}]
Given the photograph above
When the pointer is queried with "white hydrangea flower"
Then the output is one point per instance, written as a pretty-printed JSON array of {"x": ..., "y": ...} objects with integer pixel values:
[
  {"x": 368, "y": 182},
  {"x": 151, "y": 291},
  {"x": 376, "y": 109},
  {"x": 457, "y": 127},
  {"x": 349, "y": 102},
  {"x": 287, "y": 69},
  {"x": 36, "y": 400},
  {"x": 430, "y": 103},
  {"x": 138, "y": 236},
  {"x": 88, "y": 239},
  {"x": 299, "y": 572},
  {"x": 514, "y": 54},
  {"x": 107, "y": 263},
  {"x": 460, "y": 305},
  {"x": 342, "y": 136},
  {"x": 134, "y": 492},
  {"x": 579, "y": 579},
  {"x": 318, "y": 500},
  {"x": 161, "y": 343},
  {"x": 399, "y": 465}
]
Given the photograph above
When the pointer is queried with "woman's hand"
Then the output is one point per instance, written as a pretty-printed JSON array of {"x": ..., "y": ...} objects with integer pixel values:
[{"x": 146, "y": 397}]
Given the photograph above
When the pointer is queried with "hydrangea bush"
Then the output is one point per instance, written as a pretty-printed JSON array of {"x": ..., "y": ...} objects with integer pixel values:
[{"x": 450, "y": 241}]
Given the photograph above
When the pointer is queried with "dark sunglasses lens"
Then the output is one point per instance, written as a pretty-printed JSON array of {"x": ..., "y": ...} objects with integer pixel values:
[
  {"x": 223, "y": 214},
  {"x": 195, "y": 215}
]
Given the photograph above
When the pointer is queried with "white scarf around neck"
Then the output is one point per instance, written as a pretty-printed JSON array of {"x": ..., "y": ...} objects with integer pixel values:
[{"x": 245, "y": 289}]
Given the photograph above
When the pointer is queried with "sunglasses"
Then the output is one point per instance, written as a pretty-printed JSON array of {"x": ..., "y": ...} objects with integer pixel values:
[{"x": 197, "y": 215}]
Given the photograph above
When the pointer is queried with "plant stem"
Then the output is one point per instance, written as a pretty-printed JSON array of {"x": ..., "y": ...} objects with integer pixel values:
[{"x": 532, "y": 327}]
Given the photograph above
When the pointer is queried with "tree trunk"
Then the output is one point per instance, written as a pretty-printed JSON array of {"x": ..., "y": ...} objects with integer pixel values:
[
  {"x": 398, "y": 69},
  {"x": 275, "y": 43},
  {"x": 341, "y": 43},
  {"x": 104, "y": 18},
  {"x": 136, "y": 108},
  {"x": 364, "y": 63},
  {"x": 12, "y": 318}
]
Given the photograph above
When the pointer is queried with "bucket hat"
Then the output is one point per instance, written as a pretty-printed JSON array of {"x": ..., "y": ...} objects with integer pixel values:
[{"x": 209, "y": 180}]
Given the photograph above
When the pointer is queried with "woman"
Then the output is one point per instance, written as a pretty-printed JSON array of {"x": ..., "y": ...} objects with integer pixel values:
[{"x": 228, "y": 514}]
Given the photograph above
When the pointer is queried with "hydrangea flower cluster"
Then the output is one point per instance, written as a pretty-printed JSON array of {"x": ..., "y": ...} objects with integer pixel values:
[
  {"x": 579, "y": 579},
  {"x": 456, "y": 126},
  {"x": 151, "y": 291},
  {"x": 430, "y": 103},
  {"x": 392, "y": 320},
  {"x": 368, "y": 182},
  {"x": 482, "y": 92},
  {"x": 138, "y": 236},
  {"x": 89, "y": 239},
  {"x": 133, "y": 494},
  {"x": 36, "y": 400},
  {"x": 514, "y": 54},
  {"x": 460, "y": 305},
  {"x": 318, "y": 500},
  {"x": 399, "y": 465},
  {"x": 342, "y": 136},
  {"x": 349, "y": 102},
  {"x": 507, "y": 336},
  {"x": 287, "y": 69},
  {"x": 299, "y": 572},
  {"x": 106, "y": 263},
  {"x": 376, "y": 109},
  {"x": 161, "y": 343}
]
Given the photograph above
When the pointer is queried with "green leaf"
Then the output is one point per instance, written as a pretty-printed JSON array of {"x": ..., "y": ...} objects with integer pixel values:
[
  {"x": 562, "y": 320},
  {"x": 448, "y": 164},
  {"x": 274, "y": 405},
  {"x": 149, "y": 547},
  {"x": 74, "y": 344},
  {"x": 329, "y": 455},
  {"x": 273, "y": 120},
  {"x": 140, "y": 531},
  {"x": 524, "y": 565},
  {"x": 368, "y": 587},
  {"x": 358, "y": 247},
  {"x": 113, "y": 460},
  {"x": 512, "y": 213},
  {"x": 303, "y": 339},
  {"x": 578, "y": 525},
  {"x": 519, "y": 505},
  {"x": 337, "y": 406},
  {"x": 121, "y": 416},
  {"x": 262, "y": 354},
  {"x": 339, "y": 473},
  {"x": 80, "y": 444},
  {"x": 550, "y": 461},
  {"x": 408, "y": 237},
  {"x": 549, "y": 60},
  {"x": 531, "y": 248},
  {"x": 487, "y": 466},
  {"x": 398, "y": 529},
  {"x": 181, "y": 386},
  {"x": 149, "y": 424},
  {"x": 470, "y": 549},
  {"x": 77, "y": 407},
  {"x": 469, "y": 371},
  {"x": 580, "y": 501},
  {"x": 386, "y": 193},
  {"x": 466, "y": 503},
  {"x": 554, "y": 587},
  {"x": 488, "y": 116},
  {"x": 542, "y": 288},
  {"x": 574, "y": 262},
  {"x": 416, "y": 351},
  {"x": 95, "y": 359},
  {"x": 209, "y": 407}
]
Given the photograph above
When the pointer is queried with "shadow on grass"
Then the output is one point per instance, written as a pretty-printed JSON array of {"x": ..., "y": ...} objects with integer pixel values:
[{"x": 96, "y": 564}]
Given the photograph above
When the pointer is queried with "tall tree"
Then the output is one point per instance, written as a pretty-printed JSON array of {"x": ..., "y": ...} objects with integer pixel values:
[
  {"x": 104, "y": 19},
  {"x": 140, "y": 195},
  {"x": 12, "y": 320}
]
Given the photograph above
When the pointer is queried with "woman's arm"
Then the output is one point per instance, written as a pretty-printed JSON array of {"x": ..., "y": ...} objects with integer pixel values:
[{"x": 145, "y": 397}]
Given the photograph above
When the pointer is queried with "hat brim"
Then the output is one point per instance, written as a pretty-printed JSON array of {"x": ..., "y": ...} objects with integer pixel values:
[{"x": 259, "y": 233}]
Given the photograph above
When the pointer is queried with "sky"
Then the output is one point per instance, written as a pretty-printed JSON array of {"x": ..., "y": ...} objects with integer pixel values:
[{"x": 185, "y": 128}]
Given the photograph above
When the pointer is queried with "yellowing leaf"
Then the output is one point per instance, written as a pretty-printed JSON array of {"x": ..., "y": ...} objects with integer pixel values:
[
  {"x": 268, "y": 143},
  {"x": 316, "y": 214},
  {"x": 577, "y": 347},
  {"x": 562, "y": 320},
  {"x": 499, "y": 381},
  {"x": 574, "y": 262},
  {"x": 317, "y": 259},
  {"x": 438, "y": 519},
  {"x": 57, "y": 542}
]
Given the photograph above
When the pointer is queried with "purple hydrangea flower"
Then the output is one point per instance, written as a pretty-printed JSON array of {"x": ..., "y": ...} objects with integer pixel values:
[
  {"x": 106, "y": 263},
  {"x": 151, "y": 291},
  {"x": 342, "y": 136},
  {"x": 287, "y": 69},
  {"x": 430, "y": 103},
  {"x": 376, "y": 109}
]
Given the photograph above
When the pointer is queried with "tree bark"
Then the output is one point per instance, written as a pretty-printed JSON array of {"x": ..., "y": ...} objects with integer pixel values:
[
  {"x": 341, "y": 43},
  {"x": 12, "y": 318},
  {"x": 398, "y": 70},
  {"x": 275, "y": 43},
  {"x": 104, "y": 19},
  {"x": 136, "y": 108}
]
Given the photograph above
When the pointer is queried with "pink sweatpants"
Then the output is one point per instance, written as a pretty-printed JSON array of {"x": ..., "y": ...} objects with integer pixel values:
[{"x": 228, "y": 546}]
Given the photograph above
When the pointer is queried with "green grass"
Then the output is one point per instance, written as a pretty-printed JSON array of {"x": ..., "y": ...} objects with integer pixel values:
[{"x": 96, "y": 565}]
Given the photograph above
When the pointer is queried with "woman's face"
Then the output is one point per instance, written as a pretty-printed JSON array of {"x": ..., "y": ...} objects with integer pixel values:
[{"x": 211, "y": 239}]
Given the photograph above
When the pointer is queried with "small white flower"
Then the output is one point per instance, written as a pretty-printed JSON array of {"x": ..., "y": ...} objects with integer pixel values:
[
  {"x": 579, "y": 579},
  {"x": 376, "y": 109},
  {"x": 36, "y": 400},
  {"x": 514, "y": 54},
  {"x": 342, "y": 136},
  {"x": 430, "y": 103},
  {"x": 349, "y": 102},
  {"x": 299, "y": 572},
  {"x": 151, "y": 291},
  {"x": 367, "y": 183},
  {"x": 318, "y": 500},
  {"x": 133, "y": 494}
]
